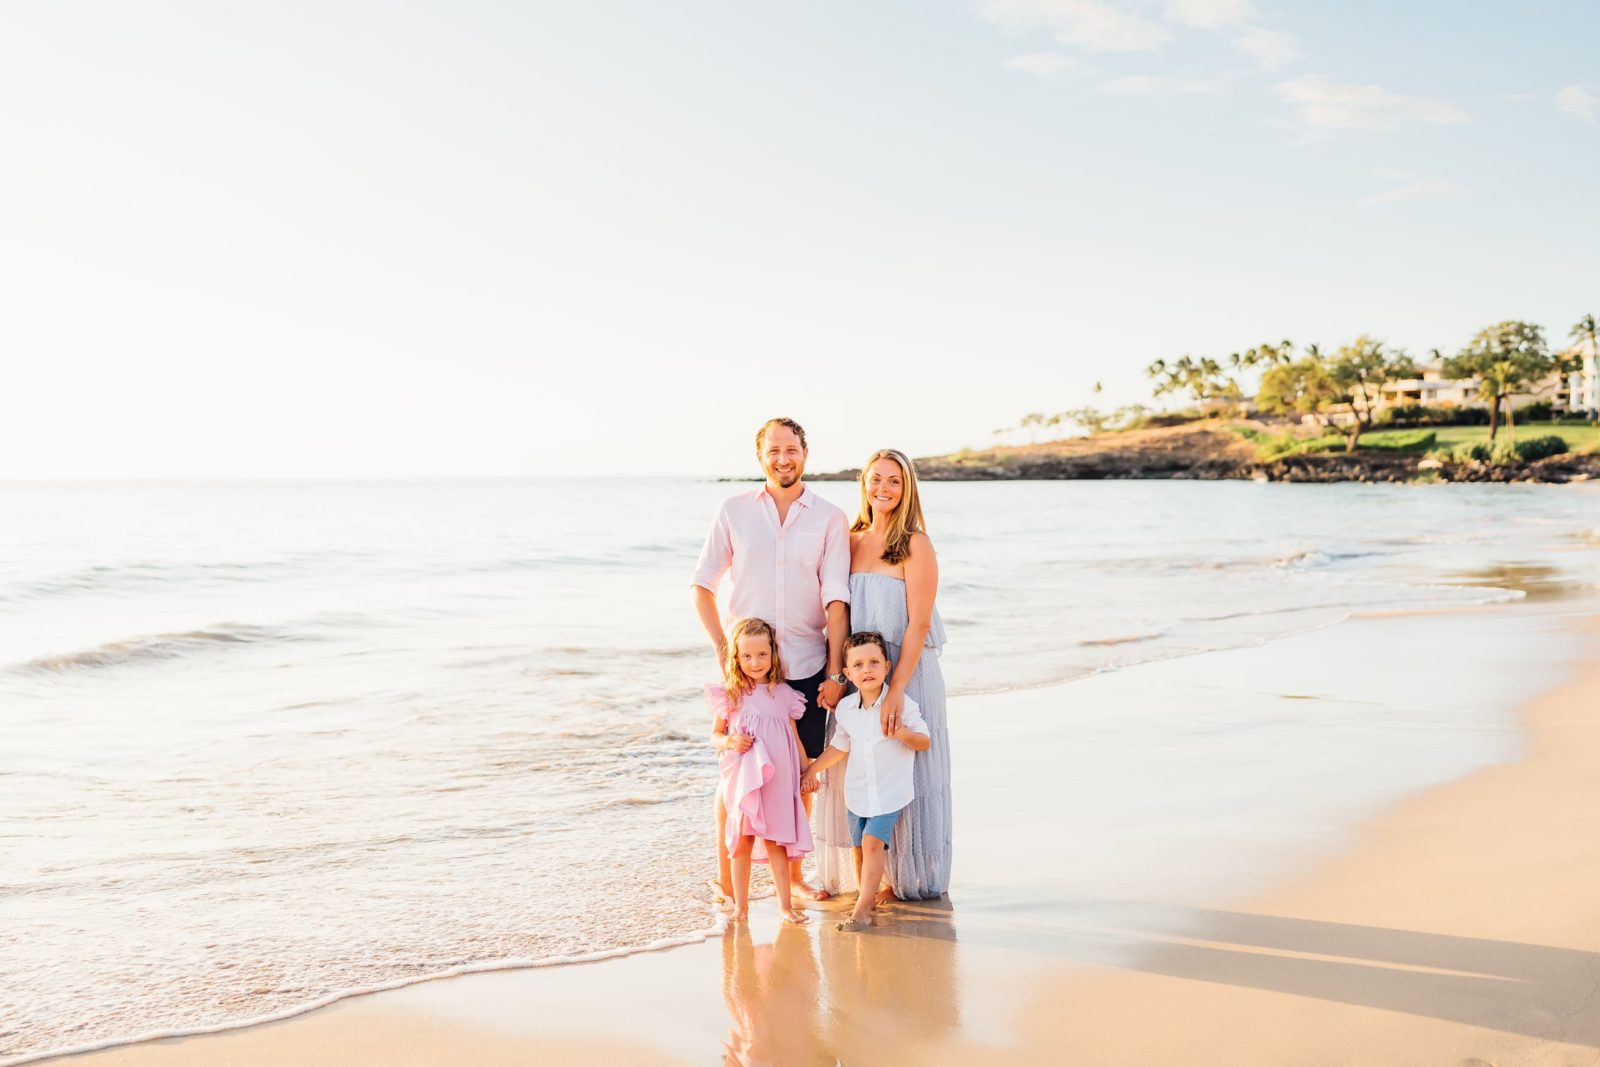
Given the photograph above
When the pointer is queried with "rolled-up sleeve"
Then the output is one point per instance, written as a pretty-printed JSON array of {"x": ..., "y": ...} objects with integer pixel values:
[
  {"x": 716, "y": 556},
  {"x": 841, "y": 736},
  {"x": 912, "y": 719},
  {"x": 834, "y": 568}
]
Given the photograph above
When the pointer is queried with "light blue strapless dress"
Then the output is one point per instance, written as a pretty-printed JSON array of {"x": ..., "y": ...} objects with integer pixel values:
[{"x": 919, "y": 856}]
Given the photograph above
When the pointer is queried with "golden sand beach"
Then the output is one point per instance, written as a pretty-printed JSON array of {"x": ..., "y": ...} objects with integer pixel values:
[{"x": 1457, "y": 926}]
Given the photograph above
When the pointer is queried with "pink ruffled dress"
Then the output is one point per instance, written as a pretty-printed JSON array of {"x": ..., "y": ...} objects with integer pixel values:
[{"x": 760, "y": 786}]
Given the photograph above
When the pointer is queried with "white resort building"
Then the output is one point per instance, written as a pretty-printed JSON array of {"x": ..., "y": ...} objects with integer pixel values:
[
  {"x": 1432, "y": 388},
  {"x": 1435, "y": 390},
  {"x": 1577, "y": 392},
  {"x": 1583, "y": 384}
]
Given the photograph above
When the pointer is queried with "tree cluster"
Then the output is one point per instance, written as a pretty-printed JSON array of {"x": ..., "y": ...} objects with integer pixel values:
[
  {"x": 1505, "y": 358},
  {"x": 1343, "y": 387}
]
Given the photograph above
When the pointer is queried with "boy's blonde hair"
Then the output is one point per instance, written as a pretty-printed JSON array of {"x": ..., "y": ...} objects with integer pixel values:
[
  {"x": 734, "y": 679},
  {"x": 907, "y": 518}
]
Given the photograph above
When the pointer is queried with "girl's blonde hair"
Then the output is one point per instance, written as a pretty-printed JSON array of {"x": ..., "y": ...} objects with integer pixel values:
[
  {"x": 907, "y": 518},
  {"x": 734, "y": 679}
]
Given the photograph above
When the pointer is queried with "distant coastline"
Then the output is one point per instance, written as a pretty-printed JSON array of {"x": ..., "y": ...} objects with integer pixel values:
[{"x": 1219, "y": 450}]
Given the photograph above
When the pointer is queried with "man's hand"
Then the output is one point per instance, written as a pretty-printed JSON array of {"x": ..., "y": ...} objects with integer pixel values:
[
  {"x": 889, "y": 712},
  {"x": 830, "y": 694}
]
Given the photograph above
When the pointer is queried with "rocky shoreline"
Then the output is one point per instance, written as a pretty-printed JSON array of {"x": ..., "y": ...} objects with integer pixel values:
[{"x": 1198, "y": 453}]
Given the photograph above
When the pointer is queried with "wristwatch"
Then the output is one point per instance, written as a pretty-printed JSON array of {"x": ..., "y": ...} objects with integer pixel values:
[{"x": 839, "y": 679}]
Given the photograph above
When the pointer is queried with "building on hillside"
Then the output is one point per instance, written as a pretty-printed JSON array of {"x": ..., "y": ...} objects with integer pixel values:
[
  {"x": 1433, "y": 389},
  {"x": 1577, "y": 392},
  {"x": 1583, "y": 384}
]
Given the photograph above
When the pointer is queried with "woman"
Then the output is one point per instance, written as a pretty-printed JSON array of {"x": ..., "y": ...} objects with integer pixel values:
[{"x": 894, "y": 576}]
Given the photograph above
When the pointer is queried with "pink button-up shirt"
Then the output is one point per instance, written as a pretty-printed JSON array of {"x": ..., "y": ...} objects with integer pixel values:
[{"x": 784, "y": 574}]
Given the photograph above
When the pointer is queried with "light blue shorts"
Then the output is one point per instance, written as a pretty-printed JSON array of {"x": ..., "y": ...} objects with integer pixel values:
[{"x": 879, "y": 826}]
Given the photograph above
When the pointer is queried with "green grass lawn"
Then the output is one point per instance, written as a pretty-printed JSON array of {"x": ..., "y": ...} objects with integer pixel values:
[{"x": 1580, "y": 437}]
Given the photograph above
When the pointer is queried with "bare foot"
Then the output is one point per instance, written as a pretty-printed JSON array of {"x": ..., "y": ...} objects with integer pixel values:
[
  {"x": 796, "y": 917},
  {"x": 808, "y": 891},
  {"x": 886, "y": 895},
  {"x": 719, "y": 895},
  {"x": 855, "y": 926},
  {"x": 740, "y": 916}
]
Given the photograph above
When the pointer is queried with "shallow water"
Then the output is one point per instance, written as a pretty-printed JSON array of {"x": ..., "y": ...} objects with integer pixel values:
[{"x": 264, "y": 744}]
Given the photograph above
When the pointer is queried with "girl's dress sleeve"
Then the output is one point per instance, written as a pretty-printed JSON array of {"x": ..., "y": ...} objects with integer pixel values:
[
  {"x": 797, "y": 706},
  {"x": 717, "y": 701}
]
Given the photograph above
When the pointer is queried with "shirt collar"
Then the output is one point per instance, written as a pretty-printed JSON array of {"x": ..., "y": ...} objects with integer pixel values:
[{"x": 805, "y": 499}]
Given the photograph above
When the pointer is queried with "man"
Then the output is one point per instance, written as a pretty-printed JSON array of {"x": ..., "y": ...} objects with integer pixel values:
[{"x": 787, "y": 552}]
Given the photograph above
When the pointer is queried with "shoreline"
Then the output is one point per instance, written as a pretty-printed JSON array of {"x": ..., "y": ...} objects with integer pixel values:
[
  {"x": 1207, "y": 451},
  {"x": 428, "y": 1013},
  {"x": 1459, "y": 930}
]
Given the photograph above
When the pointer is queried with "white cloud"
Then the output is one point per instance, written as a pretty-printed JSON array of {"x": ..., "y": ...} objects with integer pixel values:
[
  {"x": 1331, "y": 105},
  {"x": 1098, "y": 25},
  {"x": 1208, "y": 14},
  {"x": 1270, "y": 48},
  {"x": 1150, "y": 85},
  {"x": 1426, "y": 189},
  {"x": 1576, "y": 100},
  {"x": 1044, "y": 64}
]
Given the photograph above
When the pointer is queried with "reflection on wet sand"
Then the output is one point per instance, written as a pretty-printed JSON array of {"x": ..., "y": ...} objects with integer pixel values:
[
  {"x": 819, "y": 995},
  {"x": 773, "y": 997},
  {"x": 1536, "y": 581}
]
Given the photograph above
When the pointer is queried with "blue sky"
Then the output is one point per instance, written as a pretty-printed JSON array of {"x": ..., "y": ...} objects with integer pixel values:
[{"x": 403, "y": 239}]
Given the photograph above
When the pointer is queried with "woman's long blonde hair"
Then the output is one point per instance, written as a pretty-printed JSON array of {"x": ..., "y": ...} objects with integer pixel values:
[
  {"x": 733, "y": 677},
  {"x": 907, "y": 518}
]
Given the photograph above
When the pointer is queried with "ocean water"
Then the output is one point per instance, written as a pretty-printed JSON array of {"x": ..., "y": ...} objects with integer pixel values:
[{"x": 262, "y": 745}]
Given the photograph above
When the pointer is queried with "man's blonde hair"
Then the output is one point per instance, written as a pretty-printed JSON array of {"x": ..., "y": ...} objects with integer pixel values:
[{"x": 770, "y": 423}]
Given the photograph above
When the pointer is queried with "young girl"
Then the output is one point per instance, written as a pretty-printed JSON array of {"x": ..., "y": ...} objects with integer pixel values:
[{"x": 754, "y": 715}]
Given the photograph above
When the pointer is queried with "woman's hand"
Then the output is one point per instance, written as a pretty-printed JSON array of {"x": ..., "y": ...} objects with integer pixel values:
[{"x": 894, "y": 703}]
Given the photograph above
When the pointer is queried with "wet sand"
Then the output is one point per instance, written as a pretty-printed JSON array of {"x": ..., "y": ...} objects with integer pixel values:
[{"x": 1452, "y": 925}]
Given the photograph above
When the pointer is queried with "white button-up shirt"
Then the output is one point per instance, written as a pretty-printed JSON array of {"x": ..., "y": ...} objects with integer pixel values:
[
  {"x": 783, "y": 573},
  {"x": 877, "y": 777}
]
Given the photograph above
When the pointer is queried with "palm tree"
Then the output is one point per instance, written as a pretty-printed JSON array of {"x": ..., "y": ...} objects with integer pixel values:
[
  {"x": 1498, "y": 381},
  {"x": 1271, "y": 354},
  {"x": 1585, "y": 329},
  {"x": 1502, "y": 357}
]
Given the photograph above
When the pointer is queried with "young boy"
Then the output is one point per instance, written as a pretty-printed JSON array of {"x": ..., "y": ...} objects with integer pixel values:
[{"x": 877, "y": 782}]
